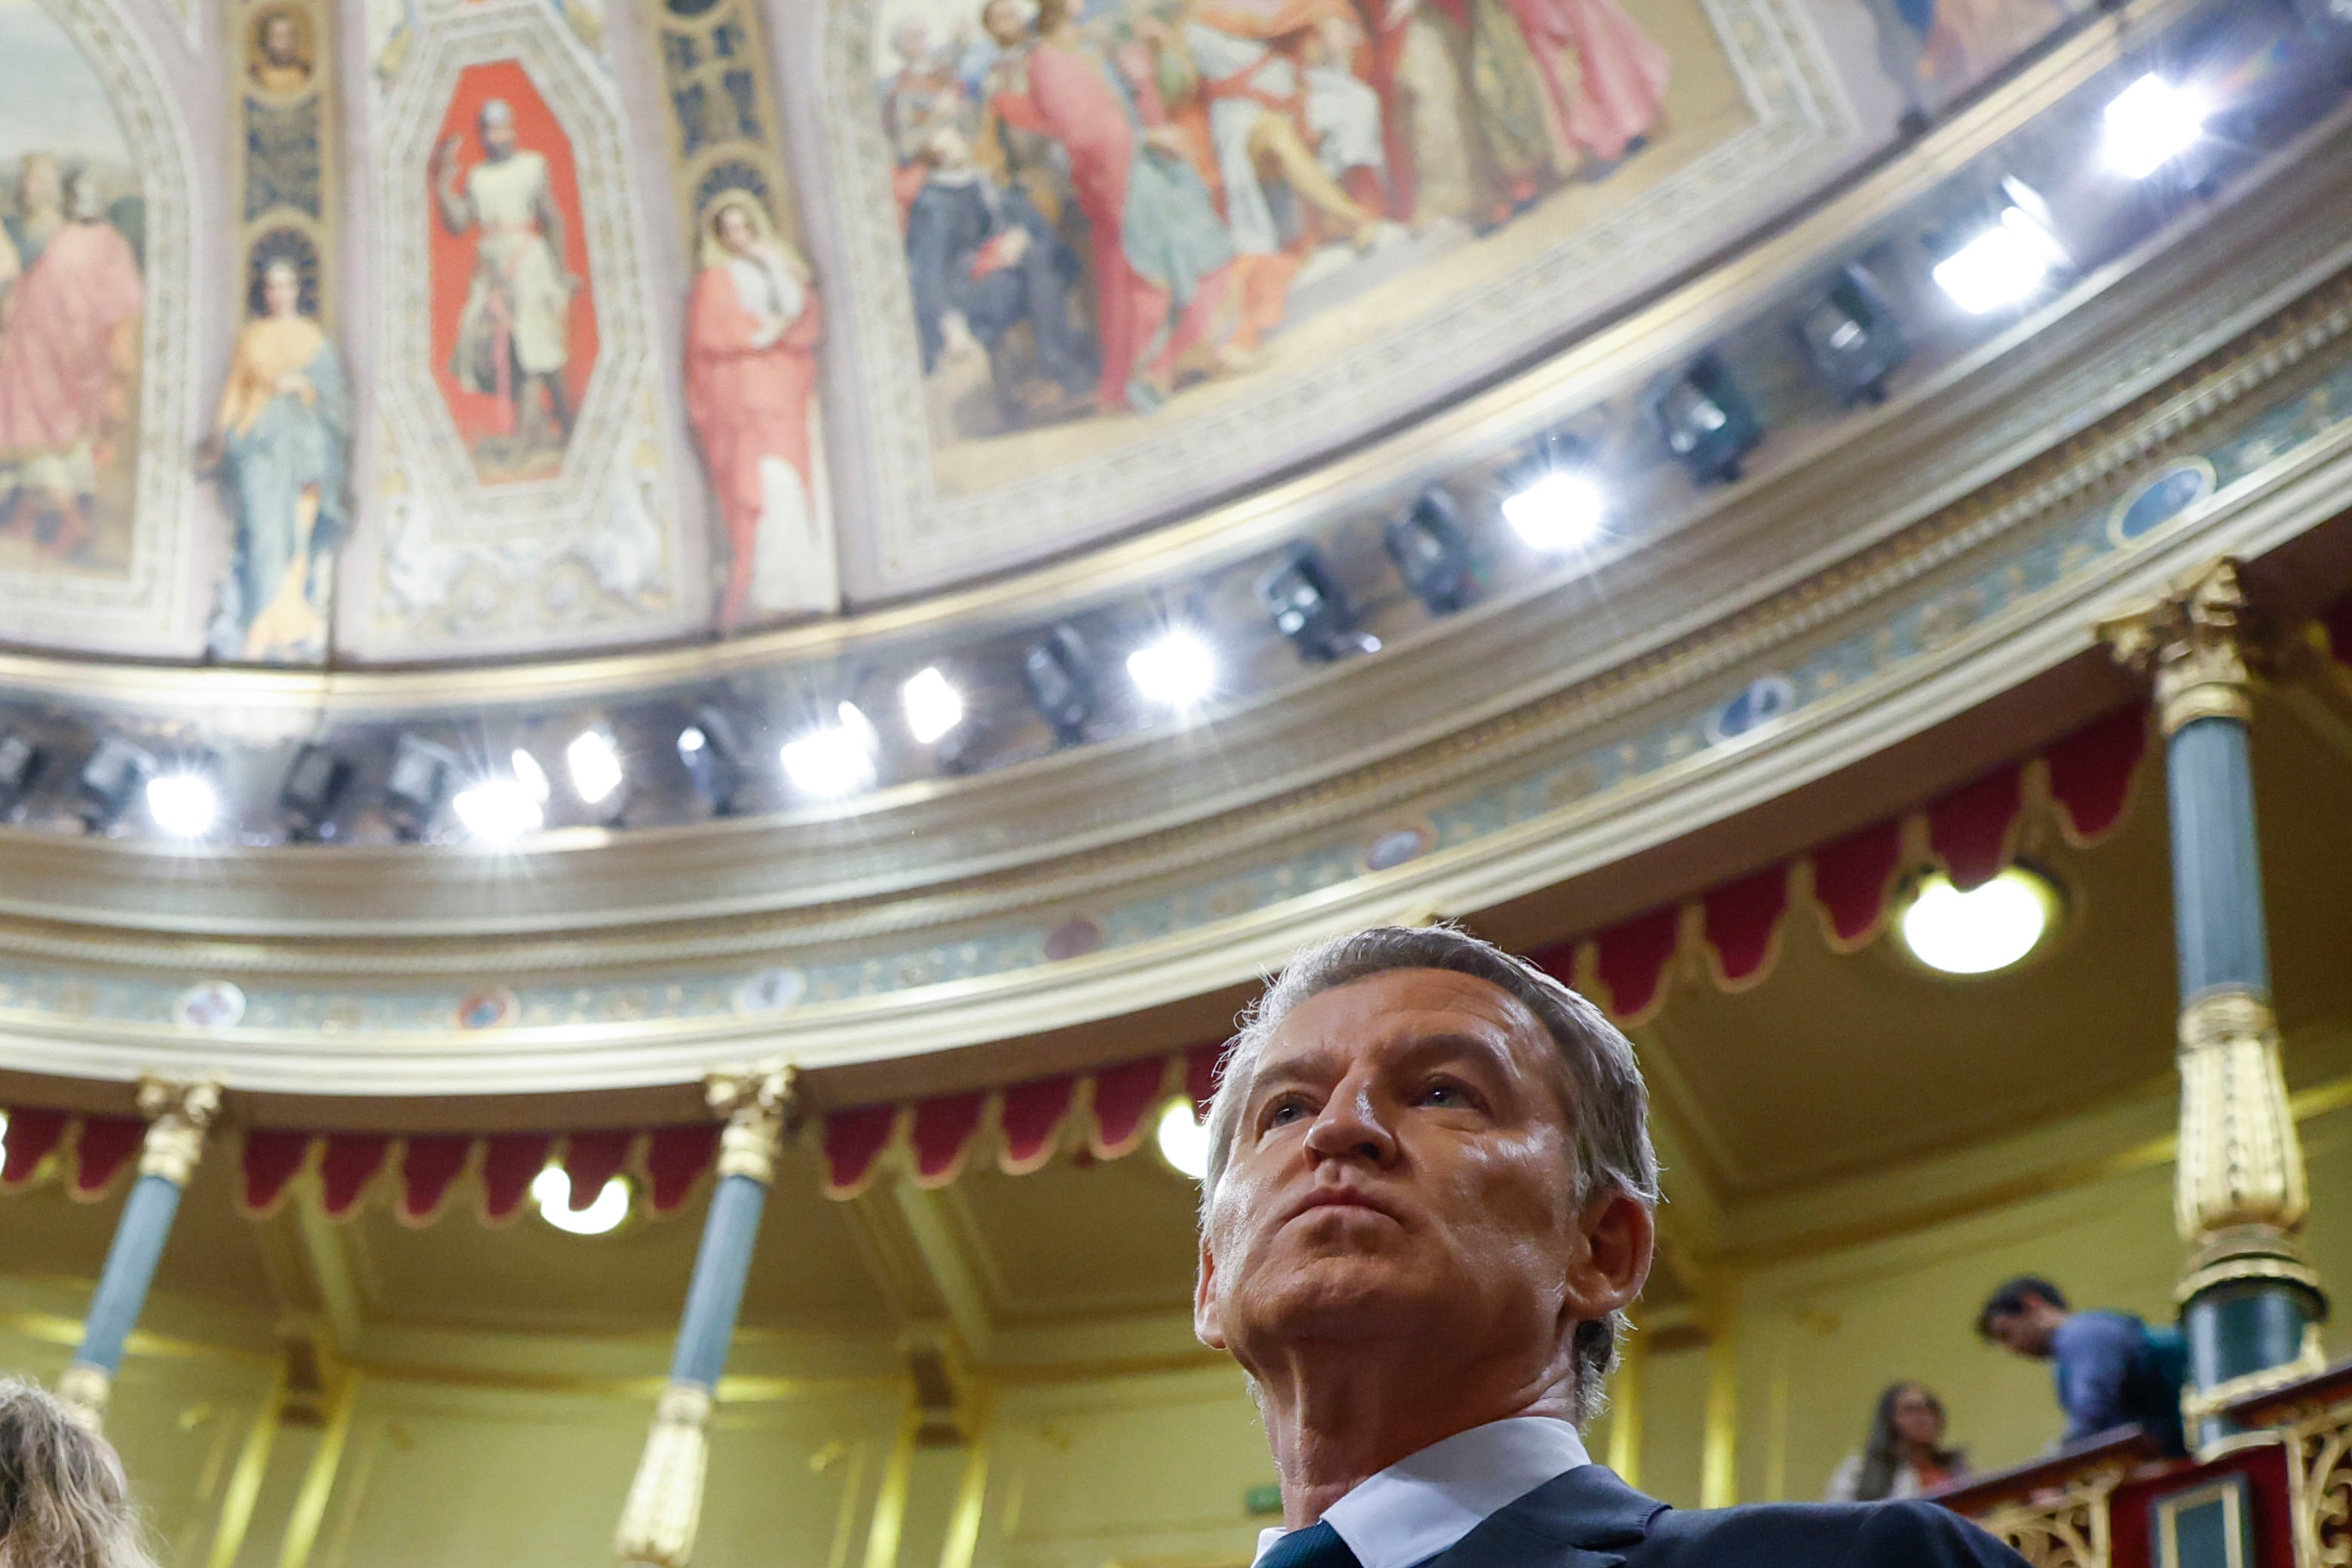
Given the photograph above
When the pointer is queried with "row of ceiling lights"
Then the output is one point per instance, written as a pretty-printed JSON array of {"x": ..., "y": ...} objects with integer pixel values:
[{"x": 1553, "y": 501}]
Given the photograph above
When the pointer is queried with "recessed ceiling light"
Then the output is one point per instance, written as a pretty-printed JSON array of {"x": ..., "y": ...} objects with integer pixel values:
[
  {"x": 1183, "y": 1140},
  {"x": 1177, "y": 670},
  {"x": 1989, "y": 927},
  {"x": 551, "y": 1191}
]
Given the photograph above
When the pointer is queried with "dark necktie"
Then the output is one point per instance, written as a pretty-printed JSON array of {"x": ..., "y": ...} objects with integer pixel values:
[{"x": 1317, "y": 1546}]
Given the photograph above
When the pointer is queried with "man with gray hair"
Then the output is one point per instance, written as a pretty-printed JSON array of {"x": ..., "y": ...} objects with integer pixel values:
[{"x": 1428, "y": 1203}]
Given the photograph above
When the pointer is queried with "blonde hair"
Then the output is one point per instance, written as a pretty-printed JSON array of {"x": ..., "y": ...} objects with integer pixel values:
[{"x": 64, "y": 1501}]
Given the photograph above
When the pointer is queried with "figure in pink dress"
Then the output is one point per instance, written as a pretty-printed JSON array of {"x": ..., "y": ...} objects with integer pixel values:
[
  {"x": 1161, "y": 260},
  {"x": 1604, "y": 76}
]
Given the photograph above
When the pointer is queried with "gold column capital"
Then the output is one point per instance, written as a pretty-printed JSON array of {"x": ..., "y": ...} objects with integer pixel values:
[
  {"x": 757, "y": 1104},
  {"x": 2192, "y": 640},
  {"x": 665, "y": 1503},
  {"x": 178, "y": 1114},
  {"x": 83, "y": 1389},
  {"x": 2241, "y": 1165}
]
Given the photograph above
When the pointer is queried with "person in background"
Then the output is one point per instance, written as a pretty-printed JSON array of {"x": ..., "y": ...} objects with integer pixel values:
[
  {"x": 2112, "y": 1368},
  {"x": 64, "y": 1502},
  {"x": 1905, "y": 1456}
]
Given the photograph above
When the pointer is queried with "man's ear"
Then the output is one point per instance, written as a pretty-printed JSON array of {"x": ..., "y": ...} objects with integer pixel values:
[
  {"x": 1208, "y": 1325},
  {"x": 1608, "y": 1272}
]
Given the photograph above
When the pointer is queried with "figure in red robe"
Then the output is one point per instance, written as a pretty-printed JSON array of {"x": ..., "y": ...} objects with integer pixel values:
[
  {"x": 1605, "y": 77},
  {"x": 1162, "y": 261},
  {"x": 67, "y": 355},
  {"x": 752, "y": 329}
]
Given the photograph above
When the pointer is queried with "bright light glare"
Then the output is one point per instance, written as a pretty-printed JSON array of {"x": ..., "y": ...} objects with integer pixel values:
[
  {"x": 933, "y": 707},
  {"x": 531, "y": 775},
  {"x": 1989, "y": 927},
  {"x": 184, "y": 804},
  {"x": 1558, "y": 512},
  {"x": 497, "y": 809},
  {"x": 1177, "y": 671},
  {"x": 2150, "y": 124},
  {"x": 593, "y": 761},
  {"x": 833, "y": 759},
  {"x": 1998, "y": 267},
  {"x": 551, "y": 1191},
  {"x": 1183, "y": 1141}
]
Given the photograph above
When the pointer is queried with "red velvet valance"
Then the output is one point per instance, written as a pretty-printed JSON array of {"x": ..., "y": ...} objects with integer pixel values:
[{"x": 1969, "y": 832}]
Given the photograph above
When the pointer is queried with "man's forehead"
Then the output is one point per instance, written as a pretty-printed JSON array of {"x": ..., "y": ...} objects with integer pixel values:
[{"x": 1399, "y": 1006}]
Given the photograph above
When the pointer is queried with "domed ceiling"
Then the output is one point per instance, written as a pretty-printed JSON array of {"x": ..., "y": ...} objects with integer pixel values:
[{"x": 414, "y": 331}]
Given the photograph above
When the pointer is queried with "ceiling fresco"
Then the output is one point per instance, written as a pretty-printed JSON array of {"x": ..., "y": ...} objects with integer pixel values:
[{"x": 411, "y": 331}]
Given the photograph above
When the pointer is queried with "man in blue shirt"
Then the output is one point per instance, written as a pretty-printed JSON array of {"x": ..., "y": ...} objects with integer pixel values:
[{"x": 2112, "y": 1368}]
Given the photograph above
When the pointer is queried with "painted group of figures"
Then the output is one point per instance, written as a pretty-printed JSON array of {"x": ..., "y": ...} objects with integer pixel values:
[{"x": 1142, "y": 188}]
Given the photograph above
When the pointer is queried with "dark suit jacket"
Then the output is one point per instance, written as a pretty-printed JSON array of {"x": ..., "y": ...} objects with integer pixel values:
[{"x": 1590, "y": 1519}]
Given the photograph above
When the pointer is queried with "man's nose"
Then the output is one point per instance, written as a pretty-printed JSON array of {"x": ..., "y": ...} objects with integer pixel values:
[{"x": 1350, "y": 1127}]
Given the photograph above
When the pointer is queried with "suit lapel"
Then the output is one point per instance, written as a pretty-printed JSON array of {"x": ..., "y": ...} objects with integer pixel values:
[{"x": 1586, "y": 1518}]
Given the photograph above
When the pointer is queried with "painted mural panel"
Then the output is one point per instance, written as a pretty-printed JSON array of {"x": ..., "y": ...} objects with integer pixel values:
[
  {"x": 514, "y": 316},
  {"x": 73, "y": 299}
]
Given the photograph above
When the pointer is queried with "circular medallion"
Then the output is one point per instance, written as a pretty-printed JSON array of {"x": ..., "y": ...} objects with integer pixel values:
[
  {"x": 1399, "y": 845},
  {"x": 2161, "y": 499},
  {"x": 1762, "y": 699},
  {"x": 771, "y": 990},
  {"x": 1072, "y": 939},
  {"x": 209, "y": 1004},
  {"x": 487, "y": 1009}
]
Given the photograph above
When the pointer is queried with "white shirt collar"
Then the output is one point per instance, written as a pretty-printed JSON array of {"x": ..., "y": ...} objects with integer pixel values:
[{"x": 1425, "y": 1503}]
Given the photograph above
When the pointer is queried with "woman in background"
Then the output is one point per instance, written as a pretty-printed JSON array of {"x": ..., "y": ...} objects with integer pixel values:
[
  {"x": 63, "y": 1499},
  {"x": 1906, "y": 1455}
]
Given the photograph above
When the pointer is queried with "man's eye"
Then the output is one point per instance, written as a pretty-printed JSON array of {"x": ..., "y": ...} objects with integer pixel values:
[
  {"x": 1445, "y": 1094},
  {"x": 1284, "y": 1111}
]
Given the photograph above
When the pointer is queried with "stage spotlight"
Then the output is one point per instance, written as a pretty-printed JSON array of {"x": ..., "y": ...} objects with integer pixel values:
[
  {"x": 314, "y": 784},
  {"x": 713, "y": 758},
  {"x": 1989, "y": 927},
  {"x": 1310, "y": 608},
  {"x": 498, "y": 808},
  {"x": 1852, "y": 337},
  {"x": 1182, "y": 1140},
  {"x": 20, "y": 768},
  {"x": 831, "y": 760},
  {"x": 416, "y": 786},
  {"x": 551, "y": 1192},
  {"x": 593, "y": 761},
  {"x": 1176, "y": 669},
  {"x": 531, "y": 775},
  {"x": 2148, "y": 125},
  {"x": 932, "y": 703},
  {"x": 116, "y": 770},
  {"x": 182, "y": 802},
  {"x": 2007, "y": 260},
  {"x": 1430, "y": 549},
  {"x": 1056, "y": 670},
  {"x": 1551, "y": 498},
  {"x": 1708, "y": 422}
]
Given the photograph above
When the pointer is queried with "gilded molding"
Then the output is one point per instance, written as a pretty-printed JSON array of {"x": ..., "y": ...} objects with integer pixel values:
[
  {"x": 2319, "y": 1485},
  {"x": 84, "y": 1389},
  {"x": 2193, "y": 641},
  {"x": 758, "y": 1106},
  {"x": 178, "y": 1115},
  {"x": 2200, "y": 1404},
  {"x": 2069, "y": 1529},
  {"x": 2241, "y": 1163},
  {"x": 664, "y": 1502}
]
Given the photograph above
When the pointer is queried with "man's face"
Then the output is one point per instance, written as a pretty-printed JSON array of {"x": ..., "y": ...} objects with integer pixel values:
[
  {"x": 277, "y": 40},
  {"x": 2027, "y": 1333},
  {"x": 499, "y": 135},
  {"x": 1403, "y": 1164},
  {"x": 1002, "y": 18}
]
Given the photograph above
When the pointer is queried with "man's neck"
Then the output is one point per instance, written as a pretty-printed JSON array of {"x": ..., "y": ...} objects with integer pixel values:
[{"x": 1338, "y": 1413}]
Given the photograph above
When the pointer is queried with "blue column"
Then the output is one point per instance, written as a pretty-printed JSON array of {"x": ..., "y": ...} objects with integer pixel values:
[
  {"x": 177, "y": 1116},
  {"x": 664, "y": 1502},
  {"x": 2249, "y": 1296}
]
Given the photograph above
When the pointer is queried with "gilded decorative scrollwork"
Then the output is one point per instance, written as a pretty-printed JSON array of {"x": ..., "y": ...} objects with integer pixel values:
[
  {"x": 757, "y": 1104},
  {"x": 2319, "y": 1485},
  {"x": 2071, "y": 1531},
  {"x": 2193, "y": 641}
]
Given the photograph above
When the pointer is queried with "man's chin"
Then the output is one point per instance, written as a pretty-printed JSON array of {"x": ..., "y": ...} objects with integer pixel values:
[{"x": 1342, "y": 1297}]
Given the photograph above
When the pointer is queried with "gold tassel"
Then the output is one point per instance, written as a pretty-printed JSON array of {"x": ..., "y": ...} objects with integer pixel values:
[{"x": 666, "y": 1499}]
